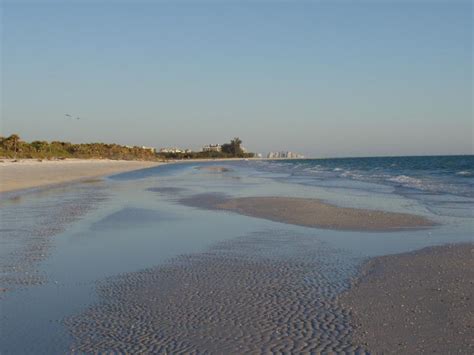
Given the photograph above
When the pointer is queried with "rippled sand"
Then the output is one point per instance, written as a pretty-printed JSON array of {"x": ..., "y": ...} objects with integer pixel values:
[
  {"x": 419, "y": 302},
  {"x": 269, "y": 292},
  {"x": 310, "y": 213}
]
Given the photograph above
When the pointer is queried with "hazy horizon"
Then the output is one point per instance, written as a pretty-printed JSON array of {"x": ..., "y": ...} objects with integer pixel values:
[{"x": 325, "y": 79}]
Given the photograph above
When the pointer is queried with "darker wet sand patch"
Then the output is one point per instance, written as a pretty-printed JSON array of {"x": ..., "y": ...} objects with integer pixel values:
[
  {"x": 215, "y": 169},
  {"x": 208, "y": 201},
  {"x": 91, "y": 181},
  {"x": 167, "y": 190},
  {"x": 416, "y": 302},
  {"x": 271, "y": 292},
  {"x": 311, "y": 213}
]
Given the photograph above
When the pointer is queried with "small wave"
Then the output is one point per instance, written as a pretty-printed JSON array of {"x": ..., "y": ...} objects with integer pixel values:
[
  {"x": 431, "y": 175},
  {"x": 406, "y": 180},
  {"x": 348, "y": 174},
  {"x": 464, "y": 173}
]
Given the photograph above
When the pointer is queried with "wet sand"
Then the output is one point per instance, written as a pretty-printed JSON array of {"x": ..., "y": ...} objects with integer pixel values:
[
  {"x": 26, "y": 232},
  {"x": 29, "y": 173},
  {"x": 311, "y": 213},
  {"x": 416, "y": 302},
  {"x": 263, "y": 293},
  {"x": 215, "y": 169}
]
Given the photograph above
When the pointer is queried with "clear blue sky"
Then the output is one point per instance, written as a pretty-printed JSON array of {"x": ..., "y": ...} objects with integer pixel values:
[{"x": 324, "y": 78}]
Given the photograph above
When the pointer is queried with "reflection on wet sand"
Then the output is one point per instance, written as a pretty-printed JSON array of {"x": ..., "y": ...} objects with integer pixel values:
[{"x": 27, "y": 231}]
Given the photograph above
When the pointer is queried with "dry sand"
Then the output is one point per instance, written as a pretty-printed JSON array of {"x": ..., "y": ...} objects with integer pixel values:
[
  {"x": 311, "y": 213},
  {"x": 32, "y": 173},
  {"x": 416, "y": 302}
]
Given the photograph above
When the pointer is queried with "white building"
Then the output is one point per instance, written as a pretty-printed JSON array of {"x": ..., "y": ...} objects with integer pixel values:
[
  {"x": 212, "y": 148},
  {"x": 151, "y": 149},
  {"x": 172, "y": 150}
]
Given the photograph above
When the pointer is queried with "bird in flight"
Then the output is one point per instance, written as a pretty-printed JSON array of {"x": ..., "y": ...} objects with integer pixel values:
[{"x": 71, "y": 117}]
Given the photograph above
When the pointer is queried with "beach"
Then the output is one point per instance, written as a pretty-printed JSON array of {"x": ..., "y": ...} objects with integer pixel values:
[
  {"x": 236, "y": 177},
  {"x": 235, "y": 257},
  {"x": 236, "y": 298},
  {"x": 30, "y": 173}
]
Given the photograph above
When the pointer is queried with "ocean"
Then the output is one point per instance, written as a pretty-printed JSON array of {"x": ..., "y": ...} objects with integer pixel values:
[
  {"x": 429, "y": 174},
  {"x": 444, "y": 184}
]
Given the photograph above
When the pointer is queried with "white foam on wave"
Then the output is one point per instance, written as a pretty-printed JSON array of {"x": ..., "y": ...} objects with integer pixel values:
[
  {"x": 407, "y": 181},
  {"x": 464, "y": 173},
  {"x": 356, "y": 175},
  {"x": 424, "y": 181}
]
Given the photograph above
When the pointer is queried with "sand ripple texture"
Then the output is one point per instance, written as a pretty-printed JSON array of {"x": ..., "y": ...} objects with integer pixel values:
[
  {"x": 26, "y": 228},
  {"x": 272, "y": 292}
]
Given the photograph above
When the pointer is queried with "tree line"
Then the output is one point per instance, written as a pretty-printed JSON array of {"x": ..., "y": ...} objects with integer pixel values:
[
  {"x": 233, "y": 149},
  {"x": 13, "y": 147}
]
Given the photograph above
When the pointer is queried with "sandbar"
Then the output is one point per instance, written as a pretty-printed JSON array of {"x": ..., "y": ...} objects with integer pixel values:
[{"x": 312, "y": 213}]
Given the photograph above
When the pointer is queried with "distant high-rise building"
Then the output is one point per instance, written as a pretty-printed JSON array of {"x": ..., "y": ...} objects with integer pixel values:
[{"x": 284, "y": 155}]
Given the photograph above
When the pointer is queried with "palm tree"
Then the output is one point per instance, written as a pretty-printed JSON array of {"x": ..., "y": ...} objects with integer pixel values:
[
  {"x": 235, "y": 146},
  {"x": 11, "y": 143}
]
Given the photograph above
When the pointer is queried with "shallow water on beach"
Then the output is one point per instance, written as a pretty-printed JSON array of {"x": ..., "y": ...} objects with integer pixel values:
[{"x": 74, "y": 255}]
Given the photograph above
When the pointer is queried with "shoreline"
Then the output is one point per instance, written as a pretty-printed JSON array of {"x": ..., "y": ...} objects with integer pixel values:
[
  {"x": 415, "y": 302},
  {"x": 30, "y": 173},
  {"x": 27, "y": 174}
]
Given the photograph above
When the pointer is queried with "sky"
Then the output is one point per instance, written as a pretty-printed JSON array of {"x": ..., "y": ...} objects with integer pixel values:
[{"x": 322, "y": 78}]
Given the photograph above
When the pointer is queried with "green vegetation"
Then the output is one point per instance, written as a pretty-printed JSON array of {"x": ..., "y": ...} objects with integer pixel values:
[
  {"x": 14, "y": 147},
  {"x": 233, "y": 148},
  {"x": 228, "y": 150}
]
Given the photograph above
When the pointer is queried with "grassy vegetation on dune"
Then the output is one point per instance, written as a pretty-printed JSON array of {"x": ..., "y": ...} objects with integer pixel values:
[{"x": 14, "y": 147}]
